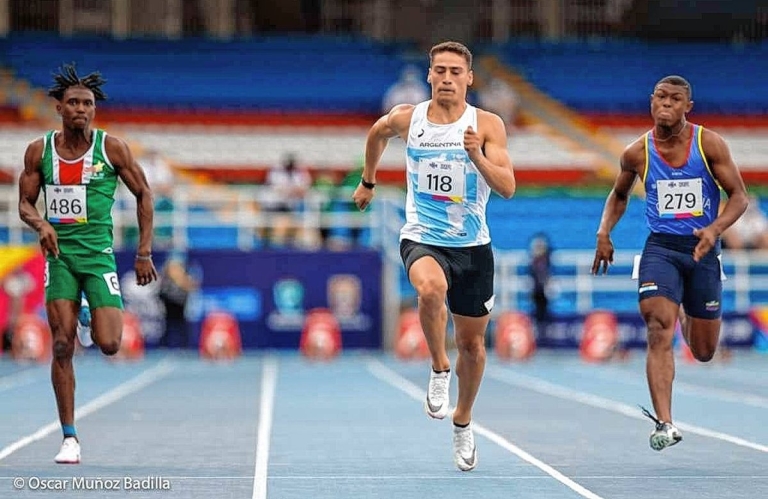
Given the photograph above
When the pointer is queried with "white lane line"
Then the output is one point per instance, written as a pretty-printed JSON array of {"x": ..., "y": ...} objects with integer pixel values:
[
  {"x": 146, "y": 378},
  {"x": 546, "y": 388},
  {"x": 266, "y": 408},
  {"x": 392, "y": 378},
  {"x": 681, "y": 387}
]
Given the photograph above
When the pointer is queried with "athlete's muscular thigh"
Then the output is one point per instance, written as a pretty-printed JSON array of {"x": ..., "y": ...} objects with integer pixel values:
[
  {"x": 660, "y": 274},
  {"x": 100, "y": 281},
  {"x": 471, "y": 294},
  {"x": 659, "y": 310},
  {"x": 660, "y": 316},
  {"x": 426, "y": 268},
  {"x": 703, "y": 307},
  {"x": 703, "y": 337},
  {"x": 60, "y": 280},
  {"x": 107, "y": 328},
  {"x": 428, "y": 279},
  {"x": 470, "y": 331},
  {"x": 703, "y": 289}
]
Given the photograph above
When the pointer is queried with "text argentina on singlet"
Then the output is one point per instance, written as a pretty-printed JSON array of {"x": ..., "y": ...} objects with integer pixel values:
[{"x": 441, "y": 144}]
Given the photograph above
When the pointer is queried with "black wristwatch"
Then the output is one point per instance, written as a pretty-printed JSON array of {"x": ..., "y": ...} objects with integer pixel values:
[{"x": 367, "y": 185}]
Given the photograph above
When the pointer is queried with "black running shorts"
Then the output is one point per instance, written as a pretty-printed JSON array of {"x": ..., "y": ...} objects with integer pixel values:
[{"x": 469, "y": 272}]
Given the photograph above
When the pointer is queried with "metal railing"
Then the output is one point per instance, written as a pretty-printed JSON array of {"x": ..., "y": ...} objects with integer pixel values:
[
  {"x": 238, "y": 209},
  {"x": 573, "y": 288},
  {"x": 200, "y": 206},
  {"x": 746, "y": 280}
]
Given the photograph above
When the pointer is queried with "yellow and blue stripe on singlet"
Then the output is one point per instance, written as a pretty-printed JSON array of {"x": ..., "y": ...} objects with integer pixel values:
[{"x": 680, "y": 198}]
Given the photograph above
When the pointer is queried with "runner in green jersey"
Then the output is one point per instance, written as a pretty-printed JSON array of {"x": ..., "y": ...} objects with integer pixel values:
[{"x": 77, "y": 169}]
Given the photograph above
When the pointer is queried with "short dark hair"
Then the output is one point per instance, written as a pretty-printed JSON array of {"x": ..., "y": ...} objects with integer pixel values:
[
  {"x": 455, "y": 47},
  {"x": 677, "y": 81},
  {"x": 67, "y": 77}
]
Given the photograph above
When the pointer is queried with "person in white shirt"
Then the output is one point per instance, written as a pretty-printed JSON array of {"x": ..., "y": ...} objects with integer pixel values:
[
  {"x": 409, "y": 89},
  {"x": 289, "y": 185}
]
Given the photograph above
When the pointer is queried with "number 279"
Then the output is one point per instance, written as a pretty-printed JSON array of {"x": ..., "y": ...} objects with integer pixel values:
[{"x": 679, "y": 200}]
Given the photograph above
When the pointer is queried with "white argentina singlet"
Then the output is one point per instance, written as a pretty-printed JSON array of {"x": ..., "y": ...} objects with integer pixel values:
[{"x": 446, "y": 197}]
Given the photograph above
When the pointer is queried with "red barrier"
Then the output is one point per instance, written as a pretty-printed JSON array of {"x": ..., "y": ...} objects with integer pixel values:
[
  {"x": 220, "y": 337},
  {"x": 321, "y": 335},
  {"x": 514, "y": 338},
  {"x": 600, "y": 339},
  {"x": 410, "y": 342},
  {"x": 31, "y": 340},
  {"x": 132, "y": 340}
]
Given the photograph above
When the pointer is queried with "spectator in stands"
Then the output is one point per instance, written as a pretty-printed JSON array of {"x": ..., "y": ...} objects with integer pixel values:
[
  {"x": 145, "y": 304},
  {"x": 409, "y": 89},
  {"x": 540, "y": 269},
  {"x": 750, "y": 231},
  {"x": 162, "y": 180},
  {"x": 325, "y": 186},
  {"x": 176, "y": 284},
  {"x": 289, "y": 185},
  {"x": 158, "y": 172},
  {"x": 348, "y": 235},
  {"x": 498, "y": 97},
  {"x": 683, "y": 168}
]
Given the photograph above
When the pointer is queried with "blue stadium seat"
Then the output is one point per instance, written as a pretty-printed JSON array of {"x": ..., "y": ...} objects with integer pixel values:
[
  {"x": 618, "y": 76},
  {"x": 569, "y": 222},
  {"x": 271, "y": 73},
  {"x": 216, "y": 237},
  {"x": 350, "y": 74}
]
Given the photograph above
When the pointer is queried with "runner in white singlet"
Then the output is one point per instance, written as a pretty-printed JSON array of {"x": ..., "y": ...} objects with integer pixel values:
[{"x": 455, "y": 155}]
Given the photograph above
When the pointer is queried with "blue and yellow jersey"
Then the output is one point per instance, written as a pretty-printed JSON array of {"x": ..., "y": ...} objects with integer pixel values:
[{"x": 682, "y": 198}]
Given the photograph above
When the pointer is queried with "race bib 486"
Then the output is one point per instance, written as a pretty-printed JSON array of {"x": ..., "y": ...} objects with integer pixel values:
[{"x": 65, "y": 204}]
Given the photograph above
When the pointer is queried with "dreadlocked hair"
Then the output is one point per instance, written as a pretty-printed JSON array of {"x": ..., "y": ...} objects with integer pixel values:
[{"x": 67, "y": 77}]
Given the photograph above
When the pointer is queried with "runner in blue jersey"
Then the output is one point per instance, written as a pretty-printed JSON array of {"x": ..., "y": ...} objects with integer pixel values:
[
  {"x": 683, "y": 168},
  {"x": 456, "y": 154}
]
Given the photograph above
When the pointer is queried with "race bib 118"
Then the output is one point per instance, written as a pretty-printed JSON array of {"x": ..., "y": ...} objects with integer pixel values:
[{"x": 444, "y": 180}]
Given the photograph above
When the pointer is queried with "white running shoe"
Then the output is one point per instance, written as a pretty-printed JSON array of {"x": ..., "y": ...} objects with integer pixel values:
[
  {"x": 69, "y": 453},
  {"x": 84, "y": 335},
  {"x": 84, "y": 324},
  {"x": 436, "y": 405},
  {"x": 464, "y": 449},
  {"x": 665, "y": 435}
]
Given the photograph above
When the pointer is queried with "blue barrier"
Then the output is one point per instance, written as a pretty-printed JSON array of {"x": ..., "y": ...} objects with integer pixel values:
[{"x": 270, "y": 292}]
